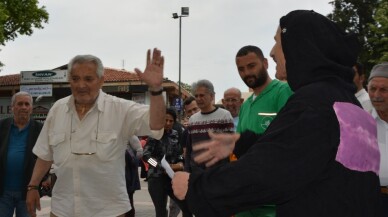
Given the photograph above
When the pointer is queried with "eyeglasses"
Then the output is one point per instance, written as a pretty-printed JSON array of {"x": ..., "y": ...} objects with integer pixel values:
[
  {"x": 95, "y": 141},
  {"x": 233, "y": 100}
]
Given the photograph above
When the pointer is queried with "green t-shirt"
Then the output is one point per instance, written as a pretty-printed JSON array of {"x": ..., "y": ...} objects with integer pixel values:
[{"x": 256, "y": 114}]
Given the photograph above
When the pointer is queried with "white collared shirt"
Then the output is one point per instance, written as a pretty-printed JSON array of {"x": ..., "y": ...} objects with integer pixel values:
[
  {"x": 363, "y": 97},
  {"x": 91, "y": 185},
  {"x": 382, "y": 136}
]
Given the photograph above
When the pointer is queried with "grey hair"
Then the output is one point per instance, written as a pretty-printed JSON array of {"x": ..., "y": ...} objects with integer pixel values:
[
  {"x": 203, "y": 83},
  {"x": 21, "y": 93},
  {"x": 84, "y": 59}
]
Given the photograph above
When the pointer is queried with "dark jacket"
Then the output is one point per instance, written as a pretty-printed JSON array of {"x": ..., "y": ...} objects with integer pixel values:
[
  {"x": 168, "y": 145},
  {"x": 29, "y": 159},
  {"x": 295, "y": 163},
  {"x": 131, "y": 172}
]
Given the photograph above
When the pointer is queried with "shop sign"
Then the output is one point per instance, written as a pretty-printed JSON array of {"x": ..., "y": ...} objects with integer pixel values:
[
  {"x": 38, "y": 90},
  {"x": 44, "y": 76}
]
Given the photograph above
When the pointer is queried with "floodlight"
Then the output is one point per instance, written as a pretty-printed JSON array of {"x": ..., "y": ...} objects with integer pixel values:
[{"x": 185, "y": 11}]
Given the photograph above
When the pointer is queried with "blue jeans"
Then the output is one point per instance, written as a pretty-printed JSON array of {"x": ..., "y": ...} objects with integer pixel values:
[{"x": 10, "y": 201}]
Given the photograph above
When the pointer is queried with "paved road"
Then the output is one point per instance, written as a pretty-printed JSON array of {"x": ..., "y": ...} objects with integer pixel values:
[{"x": 143, "y": 203}]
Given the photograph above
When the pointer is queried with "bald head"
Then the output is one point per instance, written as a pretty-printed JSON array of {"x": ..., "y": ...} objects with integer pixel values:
[
  {"x": 233, "y": 90},
  {"x": 232, "y": 101}
]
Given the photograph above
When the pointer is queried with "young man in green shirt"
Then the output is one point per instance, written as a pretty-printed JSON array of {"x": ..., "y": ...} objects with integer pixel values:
[{"x": 258, "y": 111}]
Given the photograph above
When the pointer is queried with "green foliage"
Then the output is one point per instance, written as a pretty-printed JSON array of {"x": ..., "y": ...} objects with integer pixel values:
[
  {"x": 19, "y": 17},
  {"x": 3, "y": 19},
  {"x": 368, "y": 19},
  {"x": 354, "y": 15},
  {"x": 379, "y": 38}
]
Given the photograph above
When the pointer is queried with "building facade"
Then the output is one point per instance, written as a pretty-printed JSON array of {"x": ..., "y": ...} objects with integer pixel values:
[{"x": 47, "y": 86}]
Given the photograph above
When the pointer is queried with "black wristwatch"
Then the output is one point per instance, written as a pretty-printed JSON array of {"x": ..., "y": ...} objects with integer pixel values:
[{"x": 156, "y": 93}]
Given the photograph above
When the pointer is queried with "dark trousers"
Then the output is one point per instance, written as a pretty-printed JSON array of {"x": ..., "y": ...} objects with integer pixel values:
[
  {"x": 383, "y": 205},
  {"x": 143, "y": 171},
  {"x": 131, "y": 213},
  {"x": 160, "y": 188}
]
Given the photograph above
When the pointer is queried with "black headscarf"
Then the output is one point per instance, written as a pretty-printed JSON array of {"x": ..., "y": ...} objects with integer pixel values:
[{"x": 316, "y": 49}]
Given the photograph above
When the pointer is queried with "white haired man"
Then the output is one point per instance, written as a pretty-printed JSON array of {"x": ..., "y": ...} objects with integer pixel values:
[{"x": 85, "y": 136}]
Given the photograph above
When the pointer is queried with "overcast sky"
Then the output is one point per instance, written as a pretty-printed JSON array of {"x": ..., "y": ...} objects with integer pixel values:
[{"x": 120, "y": 31}]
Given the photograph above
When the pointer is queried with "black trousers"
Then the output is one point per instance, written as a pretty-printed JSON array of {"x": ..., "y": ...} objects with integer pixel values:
[
  {"x": 383, "y": 205},
  {"x": 160, "y": 188},
  {"x": 131, "y": 213}
]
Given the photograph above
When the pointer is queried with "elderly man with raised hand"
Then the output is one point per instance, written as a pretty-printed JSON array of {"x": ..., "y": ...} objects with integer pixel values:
[
  {"x": 85, "y": 136},
  {"x": 319, "y": 157},
  {"x": 18, "y": 136},
  {"x": 378, "y": 92}
]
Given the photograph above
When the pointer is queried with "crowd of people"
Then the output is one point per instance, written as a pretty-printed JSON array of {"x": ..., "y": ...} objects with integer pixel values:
[{"x": 312, "y": 142}]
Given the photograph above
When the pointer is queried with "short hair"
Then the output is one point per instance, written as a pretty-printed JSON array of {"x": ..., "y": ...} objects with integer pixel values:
[
  {"x": 172, "y": 112},
  {"x": 203, "y": 83},
  {"x": 85, "y": 59},
  {"x": 360, "y": 69},
  {"x": 21, "y": 93},
  {"x": 188, "y": 101},
  {"x": 250, "y": 49}
]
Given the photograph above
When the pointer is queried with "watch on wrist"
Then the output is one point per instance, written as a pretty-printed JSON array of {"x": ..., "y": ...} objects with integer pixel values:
[
  {"x": 157, "y": 92},
  {"x": 32, "y": 187}
]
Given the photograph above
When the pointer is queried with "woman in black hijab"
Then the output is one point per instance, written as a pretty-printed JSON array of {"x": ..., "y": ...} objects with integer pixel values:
[{"x": 318, "y": 158}]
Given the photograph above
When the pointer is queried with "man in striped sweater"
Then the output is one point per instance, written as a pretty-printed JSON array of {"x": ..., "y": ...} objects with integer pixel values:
[{"x": 210, "y": 118}]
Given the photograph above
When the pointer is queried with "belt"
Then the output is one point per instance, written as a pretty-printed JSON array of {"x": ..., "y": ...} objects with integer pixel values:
[{"x": 384, "y": 189}]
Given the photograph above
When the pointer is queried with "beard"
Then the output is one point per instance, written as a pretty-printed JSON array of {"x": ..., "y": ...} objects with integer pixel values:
[
  {"x": 379, "y": 104},
  {"x": 259, "y": 79}
]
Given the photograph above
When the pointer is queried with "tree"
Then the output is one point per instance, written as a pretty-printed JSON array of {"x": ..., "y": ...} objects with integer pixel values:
[
  {"x": 379, "y": 38},
  {"x": 365, "y": 18},
  {"x": 19, "y": 17}
]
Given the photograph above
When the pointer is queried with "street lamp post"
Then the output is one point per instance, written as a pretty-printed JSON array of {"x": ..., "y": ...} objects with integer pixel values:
[{"x": 184, "y": 13}]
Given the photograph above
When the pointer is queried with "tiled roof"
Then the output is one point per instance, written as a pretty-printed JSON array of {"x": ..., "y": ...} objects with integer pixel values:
[
  {"x": 115, "y": 75},
  {"x": 110, "y": 75},
  {"x": 9, "y": 80}
]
